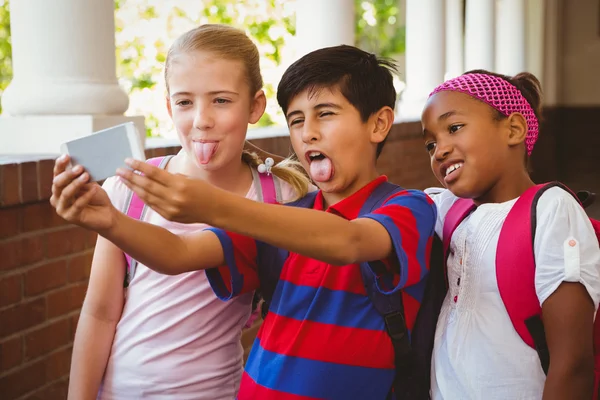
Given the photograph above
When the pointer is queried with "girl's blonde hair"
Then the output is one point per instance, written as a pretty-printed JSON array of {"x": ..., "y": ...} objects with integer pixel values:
[{"x": 233, "y": 44}]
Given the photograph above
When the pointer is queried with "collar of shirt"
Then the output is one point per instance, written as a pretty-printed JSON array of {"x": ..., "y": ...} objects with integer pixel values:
[{"x": 351, "y": 205}]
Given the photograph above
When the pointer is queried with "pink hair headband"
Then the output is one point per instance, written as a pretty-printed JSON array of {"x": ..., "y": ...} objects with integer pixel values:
[{"x": 499, "y": 94}]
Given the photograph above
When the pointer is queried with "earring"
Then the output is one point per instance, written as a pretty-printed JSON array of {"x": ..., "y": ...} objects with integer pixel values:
[{"x": 266, "y": 167}]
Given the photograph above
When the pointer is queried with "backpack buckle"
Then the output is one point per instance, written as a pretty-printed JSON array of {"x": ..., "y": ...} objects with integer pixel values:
[{"x": 395, "y": 325}]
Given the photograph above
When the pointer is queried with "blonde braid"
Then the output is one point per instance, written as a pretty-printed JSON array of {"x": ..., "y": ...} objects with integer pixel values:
[{"x": 288, "y": 170}]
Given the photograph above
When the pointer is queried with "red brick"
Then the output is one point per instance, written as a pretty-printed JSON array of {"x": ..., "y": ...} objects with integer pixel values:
[
  {"x": 45, "y": 277},
  {"x": 58, "y": 364},
  {"x": 66, "y": 241},
  {"x": 35, "y": 216},
  {"x": 22, "y": 251},
  {"x": 66, "y": 300},
  {"x": 32, "y": 248},
  {"x": 29, "y": 182},
  {"x": 74, "y": 321},
  {"x": 91, "y": 239},
  {"x": 79, "y": 267},
  {"x": 10, "y": 290},
  {"x": 48, "y": 338},
  {"x": 160, "y": 152},
  {"x": 10, "y": 222},
  {"x": 11, "y": 353},
  {"x": 9, "y": 184},
  {"x": 10, "y": 251},
  {"x": 22, "y": 316},
  {"x": 54, "y": 391},
  {"x": 45, "y": 175},
  {"x": 23, "y": 380}
]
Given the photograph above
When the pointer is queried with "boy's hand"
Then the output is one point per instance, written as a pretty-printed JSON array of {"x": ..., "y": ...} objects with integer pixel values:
[
  {"x": 78, "y": 201},
  {"x": 175, "y": 197}
]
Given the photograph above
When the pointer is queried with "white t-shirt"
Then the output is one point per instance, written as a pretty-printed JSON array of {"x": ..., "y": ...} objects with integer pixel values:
[
  {"x": 477, "y": 352},
  {"x": 175, "y": 338}
]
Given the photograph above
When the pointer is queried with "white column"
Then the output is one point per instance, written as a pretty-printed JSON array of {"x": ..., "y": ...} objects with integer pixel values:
[
  {"x": 510, "y": 37},
  {"x": 455, "y": 35},
  {"x": 64, "y": 84},
  {"x": 425, "y": 54},
  {"x": 323, "y": 23},
  {"x": 534, "y": 37},
  {"x": 553, "y": 52},
  {"x": 479, "y": 34}
]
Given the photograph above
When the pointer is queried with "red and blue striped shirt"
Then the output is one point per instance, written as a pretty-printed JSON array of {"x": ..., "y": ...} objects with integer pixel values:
[{"x": 322, "y": 337}]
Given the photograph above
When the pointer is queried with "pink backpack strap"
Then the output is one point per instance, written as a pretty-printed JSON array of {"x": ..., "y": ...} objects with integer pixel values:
[
  {"x": 267, "y": 187},
  {"x": 515, "y": 273},
  {"x": 457, "y": 213},
  {"x": 135, "y": 208},
  {"x": 515, "y": 263}
]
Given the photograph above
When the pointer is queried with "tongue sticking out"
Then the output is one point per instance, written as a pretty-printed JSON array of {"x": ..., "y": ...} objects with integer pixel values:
[
  {"x": 321, "y": 170},
  {"x": 204, "y": 151}
]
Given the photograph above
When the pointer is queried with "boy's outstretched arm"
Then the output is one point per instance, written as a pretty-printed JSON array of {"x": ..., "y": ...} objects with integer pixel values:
[
  {"x": 315, "y": 234},
  {"x": 87, "y": 205}
]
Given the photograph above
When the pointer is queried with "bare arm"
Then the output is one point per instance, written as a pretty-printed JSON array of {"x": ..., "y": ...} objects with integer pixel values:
[
  {"x": 315, "y": 234},
  {"x": 87, "y": 204},
  {"x": 568, "y": 321},
  {"x": 162, "y": 250},
  {"x": 312, "y": 233},
  {"x": 97, "y": 323}
]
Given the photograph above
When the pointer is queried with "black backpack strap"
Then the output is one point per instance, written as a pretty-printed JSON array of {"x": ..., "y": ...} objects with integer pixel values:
[{"x": 390, "y": 306}]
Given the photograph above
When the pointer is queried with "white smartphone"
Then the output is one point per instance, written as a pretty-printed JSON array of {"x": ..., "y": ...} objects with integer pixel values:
[{"x": 102, "y": 152}]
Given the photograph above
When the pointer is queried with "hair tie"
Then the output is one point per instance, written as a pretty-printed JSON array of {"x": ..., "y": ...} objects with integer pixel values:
[{"x": 266, "y": 167}]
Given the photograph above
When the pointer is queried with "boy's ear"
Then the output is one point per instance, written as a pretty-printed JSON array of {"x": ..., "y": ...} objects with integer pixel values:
[
  {"x": 382, "y": 123},
  {"x": 169, "y": 110},
  {"x": 517, "y": 125},
  {"x": 258, "y": 106}
]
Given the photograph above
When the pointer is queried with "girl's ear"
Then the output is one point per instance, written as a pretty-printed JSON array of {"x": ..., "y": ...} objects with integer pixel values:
[
  {"x": 518, "y": 129},
  {"x": 258, "y": 106},
  {"x": 382, "y": 122}
]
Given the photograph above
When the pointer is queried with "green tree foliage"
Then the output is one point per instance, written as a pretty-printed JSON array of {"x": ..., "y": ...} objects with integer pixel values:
[
  {"x": 380, "y": 27},
  {"x": 5, "y": 47}
]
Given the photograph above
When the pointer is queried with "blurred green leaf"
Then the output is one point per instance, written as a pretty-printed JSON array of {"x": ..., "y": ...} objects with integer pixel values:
[{"x": 5, "y": 48}]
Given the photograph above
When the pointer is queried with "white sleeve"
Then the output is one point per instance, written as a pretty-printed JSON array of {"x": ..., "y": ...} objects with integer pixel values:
[
  {"x": 566, "y": 247},
  {"x": 117, "y": 192},
  {"x": 443, "y": 199}
]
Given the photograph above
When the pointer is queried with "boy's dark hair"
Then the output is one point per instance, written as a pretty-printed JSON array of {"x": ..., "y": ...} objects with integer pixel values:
[{"x": 364, "y": 79}]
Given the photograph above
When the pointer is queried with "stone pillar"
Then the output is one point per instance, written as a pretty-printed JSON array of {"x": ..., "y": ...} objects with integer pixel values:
[
  {"x": 64, "y": 84},
  {"x": 321, "y": 23},
  {"x": 425, "y": 54},
  {"x": 479, "y": 34},
  {"x": 510, "y": 37},
  {"x": 455, "y": 38}
]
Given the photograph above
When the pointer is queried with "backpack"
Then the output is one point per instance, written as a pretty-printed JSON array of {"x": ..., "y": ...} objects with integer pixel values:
[
  {"x": 267, "y": 190},
  {"x": 515, "y": 268},
  {"x": 412, "y": 354}
]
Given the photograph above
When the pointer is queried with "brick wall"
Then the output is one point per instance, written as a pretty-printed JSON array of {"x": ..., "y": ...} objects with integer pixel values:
[
  {"x": 44, "y": 266},
  {"x": 44, "y": 263}
]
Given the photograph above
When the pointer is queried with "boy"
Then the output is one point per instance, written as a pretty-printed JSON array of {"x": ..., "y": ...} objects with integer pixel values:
[{"x": 322, "y": 337}]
